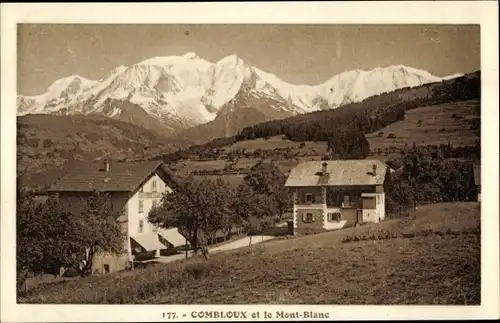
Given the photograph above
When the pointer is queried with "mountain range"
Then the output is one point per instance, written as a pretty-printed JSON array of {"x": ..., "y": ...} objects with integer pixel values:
[{"x": 174, "y": 93}]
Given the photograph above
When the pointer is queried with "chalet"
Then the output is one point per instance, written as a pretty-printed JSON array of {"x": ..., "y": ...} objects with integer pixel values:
[
  {"x": 134, "y": 189},
  {"x": 330, "y": 195}
]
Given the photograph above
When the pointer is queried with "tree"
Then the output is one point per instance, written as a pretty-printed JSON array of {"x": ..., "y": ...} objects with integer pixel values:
[
  {"x": 45, "y": 237},
  {"x": 98, "y": 230},
  {"x": 267, "y": 179},
  {"x": 346, "y": 144},
  {"x": 197, "y": 208},
  {"x": 254, "y": 210}
]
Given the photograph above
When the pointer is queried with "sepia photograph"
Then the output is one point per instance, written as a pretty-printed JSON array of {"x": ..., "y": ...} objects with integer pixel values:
[{"x": 249, "y": 163}]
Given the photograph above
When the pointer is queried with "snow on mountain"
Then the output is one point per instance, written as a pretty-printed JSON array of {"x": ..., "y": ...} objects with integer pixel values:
[
  {"x": 453, "y": 76},
  {"x": 184, "y": 91},
  {"x": 62, "y": 92}
]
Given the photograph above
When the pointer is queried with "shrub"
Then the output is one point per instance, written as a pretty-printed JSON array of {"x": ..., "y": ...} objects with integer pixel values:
[
  {"x": 47, "y": 143},
  {"x": 391, "y": 136},
  {"x": 380, "y": 134},
  {"x": 32, "y": 142}
]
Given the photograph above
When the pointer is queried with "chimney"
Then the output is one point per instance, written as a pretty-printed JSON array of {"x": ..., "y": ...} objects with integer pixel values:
[
  {"x": 374, "y": 172},
  {"x": 323, "y": 168},
  {"x": 106, "y": 166}
]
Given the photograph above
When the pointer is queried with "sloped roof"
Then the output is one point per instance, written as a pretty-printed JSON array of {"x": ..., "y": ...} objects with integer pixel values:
[
  {"x": 339, "y": 173},
  {"x": 121, "y": 177}
]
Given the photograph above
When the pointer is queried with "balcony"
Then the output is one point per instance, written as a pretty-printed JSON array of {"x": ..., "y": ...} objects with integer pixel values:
[{"x": 150, "y": 195}]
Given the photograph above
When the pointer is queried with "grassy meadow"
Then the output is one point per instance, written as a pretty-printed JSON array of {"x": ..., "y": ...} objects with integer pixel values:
[{"x": 430, "y": 257}]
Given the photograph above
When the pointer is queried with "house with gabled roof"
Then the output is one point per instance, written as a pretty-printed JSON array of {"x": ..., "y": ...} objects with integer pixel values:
[
  {"x": 135, "y": 188},
  {"x": 335, "y": 194}
]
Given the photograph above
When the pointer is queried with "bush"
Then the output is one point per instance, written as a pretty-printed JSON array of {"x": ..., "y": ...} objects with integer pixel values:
[
  {"x": 391, "y": 136},
  {"x": 442, "y": 130},
  {"x": 47, "y": 143},
  {"x": 32, "y": 142},
  {"x": 380, "y": 134}
]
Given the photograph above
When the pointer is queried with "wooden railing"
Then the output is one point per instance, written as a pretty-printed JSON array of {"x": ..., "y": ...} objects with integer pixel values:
[{"x": 149, "y": 195}]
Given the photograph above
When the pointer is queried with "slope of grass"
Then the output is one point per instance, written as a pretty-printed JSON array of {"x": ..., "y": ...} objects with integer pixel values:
[
  {"x": 442, "y": 268},
  {"x": 439, "y": 124}
]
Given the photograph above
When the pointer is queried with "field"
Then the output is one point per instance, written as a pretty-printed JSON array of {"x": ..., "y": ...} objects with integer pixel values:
[
  {"x": 440, "y": 124},
  {"x": 431, "y": 257},
  {"x": 300, "y": 152}
]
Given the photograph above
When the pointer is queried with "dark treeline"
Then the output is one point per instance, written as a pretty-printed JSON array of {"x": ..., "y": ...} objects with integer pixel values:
[{"x": 364, "y": 117}]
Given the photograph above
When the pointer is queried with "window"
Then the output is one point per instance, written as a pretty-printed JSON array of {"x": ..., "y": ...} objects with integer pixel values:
[
  {"x": 153, "y": 185},
  {"x": 346, "y": 200},
  {"x": 141, "y": 206},
  {"x": 308, "y": 197},
  {"x": 141, "y": 189},
  {"x": 155, "y": 203},
  {"x": 141, "y": 226},
  {"x": 334, "y": 217},
  {"x": 106, "y": 268},
  {"x": 308, "y": 217}
]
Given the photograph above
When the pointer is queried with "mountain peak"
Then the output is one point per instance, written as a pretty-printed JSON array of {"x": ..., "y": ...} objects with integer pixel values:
[
  {"x": 231, "y": 58},
  {"x": 190, "y": 55},
  {"x": 64, "y": 82}
]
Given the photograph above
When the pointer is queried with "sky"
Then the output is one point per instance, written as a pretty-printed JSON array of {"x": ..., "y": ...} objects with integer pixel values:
[{"x": 299, "y": 54}]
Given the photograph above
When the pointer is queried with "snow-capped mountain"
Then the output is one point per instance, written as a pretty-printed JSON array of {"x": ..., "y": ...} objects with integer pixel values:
[{"x": 183, "y": 91}]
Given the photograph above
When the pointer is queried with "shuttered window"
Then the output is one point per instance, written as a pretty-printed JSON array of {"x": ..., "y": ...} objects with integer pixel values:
[{"x": 308, "y": 217}]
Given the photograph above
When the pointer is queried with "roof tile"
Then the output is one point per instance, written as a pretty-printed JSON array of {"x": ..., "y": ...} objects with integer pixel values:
[
  {"x": 339, "y": 173},
  {"x": 122, "y": 177}
]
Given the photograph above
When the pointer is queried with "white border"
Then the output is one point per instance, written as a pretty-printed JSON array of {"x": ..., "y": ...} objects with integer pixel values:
[{"x": 403, "y": 12}]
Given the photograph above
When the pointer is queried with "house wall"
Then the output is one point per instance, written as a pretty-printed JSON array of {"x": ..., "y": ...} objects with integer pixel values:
[
  {"x": 374, "y": 208},
  {"x": 115, "y": 262},
  {"x": 322, "y": 202},
  {"x": 317, "y": 224},
  {"x": 350, "y": 216},
  {"x": 132, "y": 214},
  {"x": 337, "y": 195},
  {"x": 127, "y": 204},
  {"x": 317, "y": 195},
  {"x": 381, "y": 206},
  {"x": 147, "y": 196}
]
